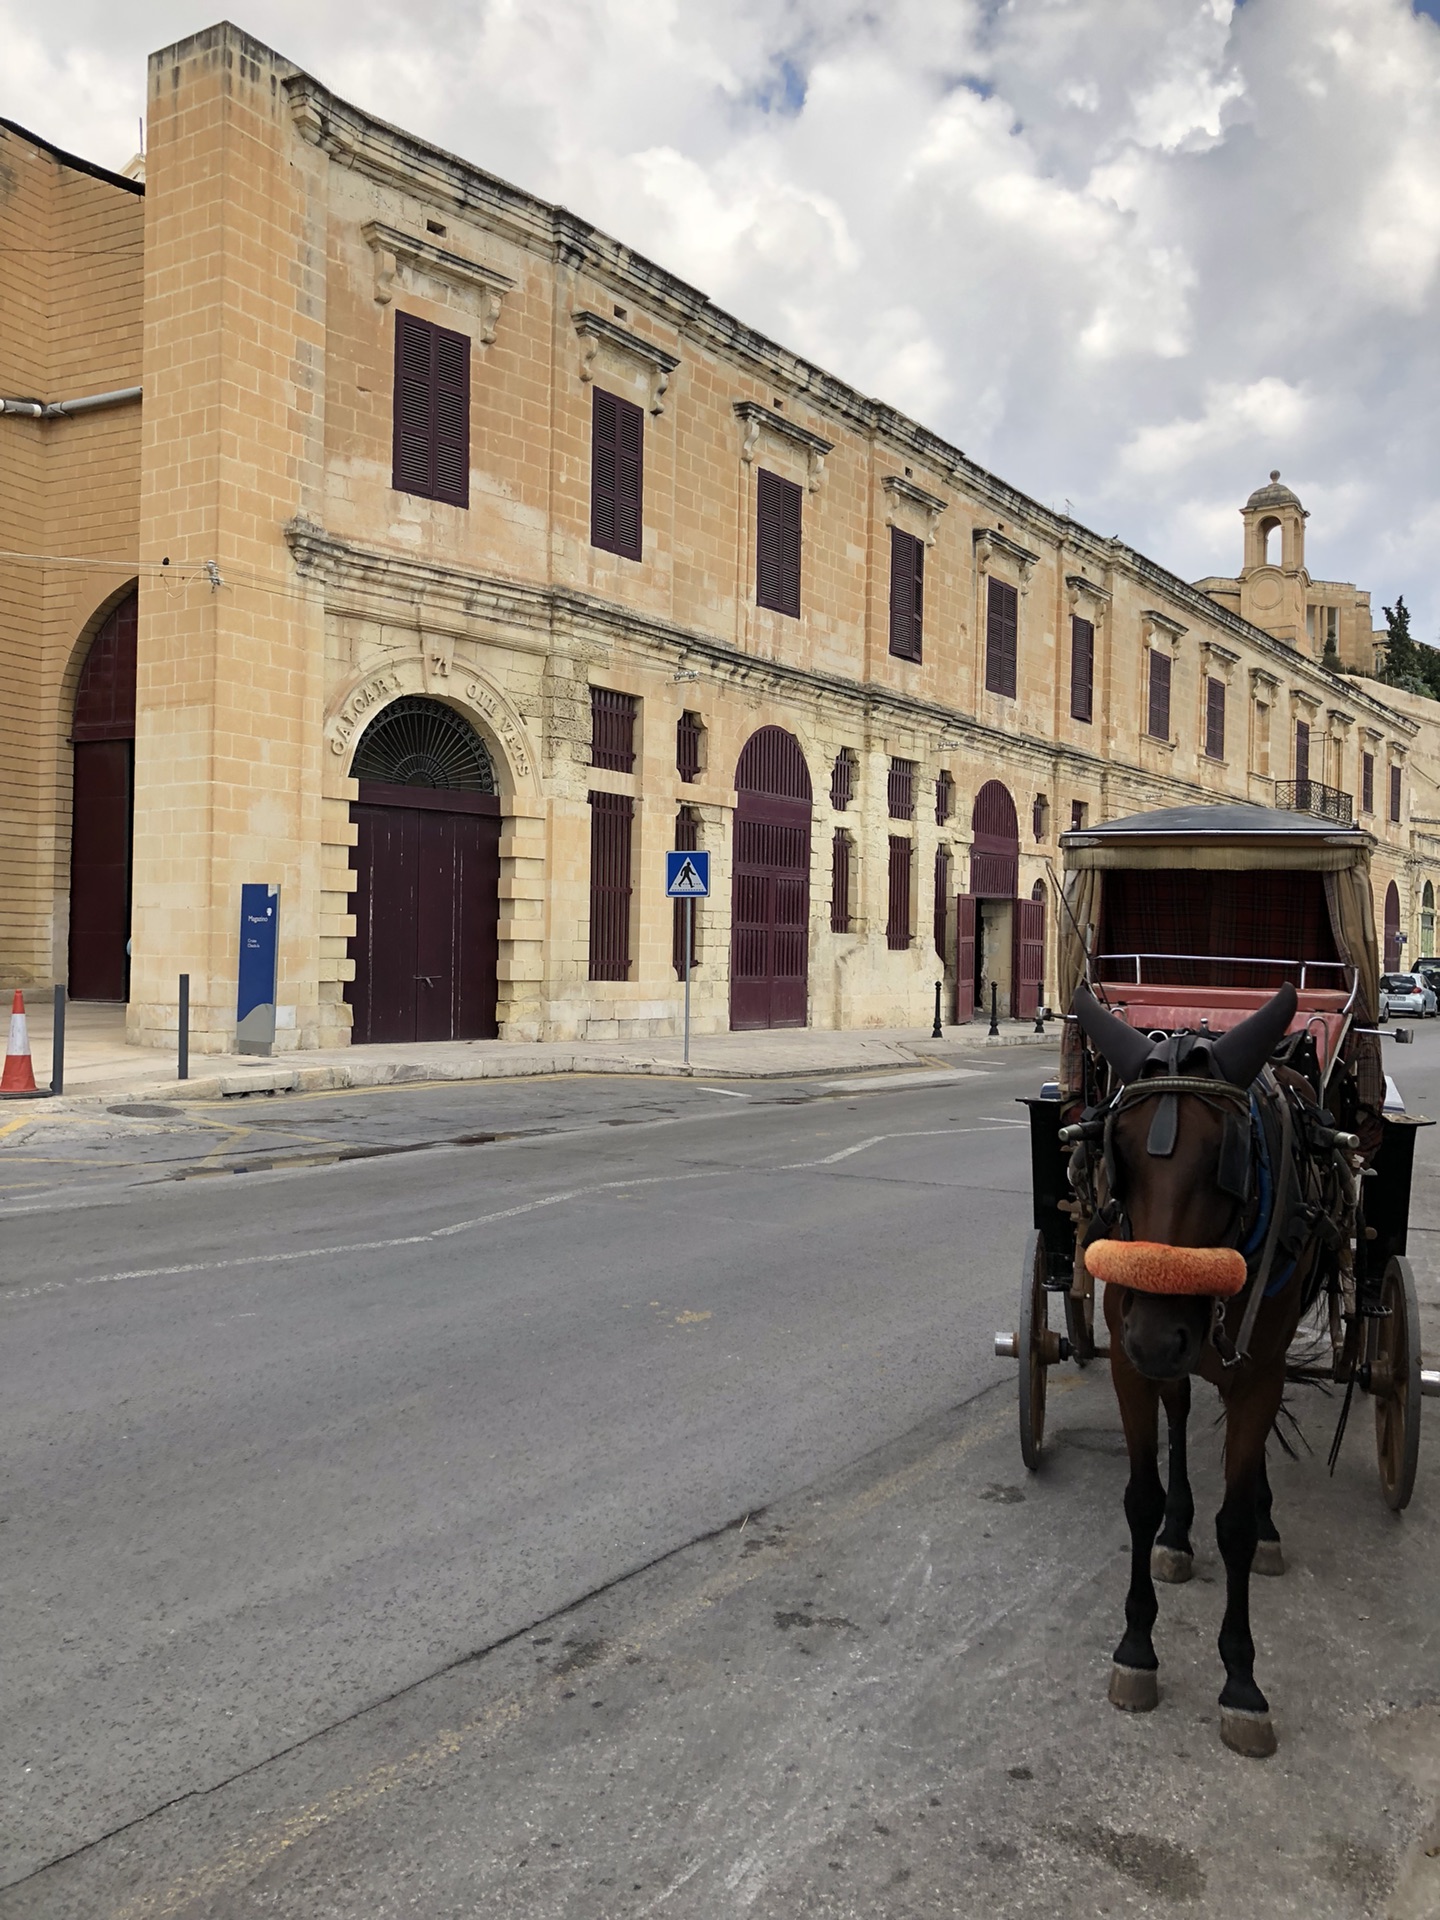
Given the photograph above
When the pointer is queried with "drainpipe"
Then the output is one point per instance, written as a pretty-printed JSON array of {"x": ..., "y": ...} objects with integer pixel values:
[{"x": 62, "y": 409}]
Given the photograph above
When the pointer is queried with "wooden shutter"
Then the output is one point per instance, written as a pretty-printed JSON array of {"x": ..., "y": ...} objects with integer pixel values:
[
  {"x": 777, "y": 544},
  {"x": 897, "y": 926},
  {"x": 1215, "y": 718},
  {"x": 617, "y": 475},
  {"x": 944, "y": 797},
  {"x": 907, "y": 594},
  {"x": 964, "y": 958},
  {"x": 840, "y": 882},
  {"x": 687, "y": 840},
  {"x": 942, "y": 897},
  {"x": 431, "y": 451},
  {"x": 1082, "y": 669},
  {"x": 1394, "y": 793},
  {"x": 1002, "y": 618},
  {"x": 1028, "y": 959},
  {"x": 612, "y": 729},
  {"x": 1302, "y": 750},
  {"x": 1367, "y": 783},
  {"x": 611, "y": 821},
  {"x": 1159, "y": 726}
]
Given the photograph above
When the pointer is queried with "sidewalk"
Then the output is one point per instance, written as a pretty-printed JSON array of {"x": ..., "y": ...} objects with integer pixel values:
[{"x": 100, "y": 1066}]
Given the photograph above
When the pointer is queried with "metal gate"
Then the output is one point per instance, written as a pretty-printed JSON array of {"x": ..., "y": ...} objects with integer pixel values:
[
  {"x": 770, "y": 889},
  {"x": 427, "y": 865},
  {"x": 1392, "y": 928},
  {"x": 103, "y": 732}
]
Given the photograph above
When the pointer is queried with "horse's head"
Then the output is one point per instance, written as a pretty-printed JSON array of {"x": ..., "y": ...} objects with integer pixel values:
[{"x": 1177, "y": 1168}]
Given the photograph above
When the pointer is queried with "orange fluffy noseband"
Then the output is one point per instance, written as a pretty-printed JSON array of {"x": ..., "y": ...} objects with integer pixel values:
[{"x": 1151, "y": 1267}]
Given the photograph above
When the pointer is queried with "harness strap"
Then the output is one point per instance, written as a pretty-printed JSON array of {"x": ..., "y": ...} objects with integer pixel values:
[{"x": 1279, "y": 1199}]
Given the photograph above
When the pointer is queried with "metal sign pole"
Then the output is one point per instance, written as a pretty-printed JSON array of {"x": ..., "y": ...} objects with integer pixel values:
[{"x": 689, "y": 947}]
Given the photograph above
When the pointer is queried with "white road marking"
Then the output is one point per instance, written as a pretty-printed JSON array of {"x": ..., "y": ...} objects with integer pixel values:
[
  {"x": 906, "y": 1077},
  {"x": 917, "y": 1133},
  {"x": 728, "y": 1092}
]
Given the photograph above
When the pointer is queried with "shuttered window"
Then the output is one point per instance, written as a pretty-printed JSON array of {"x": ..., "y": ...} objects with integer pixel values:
[
  {"x": 840, "y": 882},
  {"x": 617, "y": 475},
  {"x": 1394, "y": 793},
  {"x": 897, "y": 926},
  {"x": 1002, "y": 619},
  {"x": 1215, "y": 718},
  {"x": 687, "y": 840},
  {"x": 907, "y": 594},
  {"x": 1367, "y": 783},
  {"x": 842, "y": 780},
  {"x": 942, "y": 897},
  {"x": 901, "y": 790},
  {"x": 431, "y": 454},
  {"x": 612, "y": 729},
  {"x": 1082, "y": 669},
  {"x": 777, "y": 544},
  {"x": 687, "y": 748},
  {"x": 1077, "y": 816},
  {"x": 612, "y": 818},
  {"x": 944, "y": 797},
  {"x": 1302, "y": 750},
  {"x": 1159, "y": 719}
]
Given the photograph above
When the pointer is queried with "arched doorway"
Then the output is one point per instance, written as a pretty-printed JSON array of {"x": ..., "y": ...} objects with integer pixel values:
[
  {"x": 427, "y": 864},
  {"x": 1392, "y": 928},
  {"x": 770, "y": 889},
  {"x": 103, "y": 734},
  {"x": 994, "y": 937},
  {"x": 1427, "y": 921}
]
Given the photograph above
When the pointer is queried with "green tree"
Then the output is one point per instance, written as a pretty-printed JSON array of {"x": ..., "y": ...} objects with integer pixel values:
[{"x": 1408, "y": 662}]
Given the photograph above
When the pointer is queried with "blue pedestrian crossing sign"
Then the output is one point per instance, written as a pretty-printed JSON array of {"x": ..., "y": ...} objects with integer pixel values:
[{"x": 687, "y": 876}]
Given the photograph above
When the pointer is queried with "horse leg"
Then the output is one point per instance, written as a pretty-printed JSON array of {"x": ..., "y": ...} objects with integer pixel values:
[
  {"x": 1172, "y": 1558},
  {"x": 1244, "y": 1711},
  {"x": 1268, "y": 1557},
  {"x": 1134, "y": 1676}
]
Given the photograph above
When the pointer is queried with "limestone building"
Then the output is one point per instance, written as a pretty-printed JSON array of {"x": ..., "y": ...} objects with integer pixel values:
[{"x": 453, "y": 561}]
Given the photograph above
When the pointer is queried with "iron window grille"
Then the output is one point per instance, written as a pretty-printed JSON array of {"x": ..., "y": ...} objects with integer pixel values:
[
  {"x": 840, "y": 857},
  {"x": 687, "y": 747},
  {"x": 901, "y": 790},
  {"x": 944, "y": 798},
  {"x": 612, "y": 729},
  {"x": 897, "y": 925},
  {"x": 416, "y": 742},
  {"x": 612, "y": 819},
  {"x": 842, "y": 780},
  {"x": 942, "y": 898},
  {"x": 687, "y": 840}
]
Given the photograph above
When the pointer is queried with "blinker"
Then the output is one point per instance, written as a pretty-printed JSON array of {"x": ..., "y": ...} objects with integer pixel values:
[{"x": 1164, "y": 1127}]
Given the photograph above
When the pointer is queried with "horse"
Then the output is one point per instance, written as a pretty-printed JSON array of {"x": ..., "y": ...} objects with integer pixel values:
[{"x": 1211, "y": 1171}]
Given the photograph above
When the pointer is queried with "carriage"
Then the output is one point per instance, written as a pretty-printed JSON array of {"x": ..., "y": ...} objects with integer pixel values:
[{"x": 1186, "y": 921}]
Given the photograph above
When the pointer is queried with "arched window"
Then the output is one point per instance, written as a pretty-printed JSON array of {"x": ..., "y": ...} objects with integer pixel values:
[
  {"x": 420, "y": 743},
  {"x": 1427, "y": 920},
  {"x": 1392, "y": 928}
]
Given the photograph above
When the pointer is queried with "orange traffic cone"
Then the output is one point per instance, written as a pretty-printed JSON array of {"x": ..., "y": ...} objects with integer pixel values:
[{"x": 19, "y": 1074}]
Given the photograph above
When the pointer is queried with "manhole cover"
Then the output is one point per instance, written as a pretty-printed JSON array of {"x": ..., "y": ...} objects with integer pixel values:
[{"x": 142, "y": 1110}]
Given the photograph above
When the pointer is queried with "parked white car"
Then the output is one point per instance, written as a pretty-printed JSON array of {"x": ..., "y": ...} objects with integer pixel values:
[{"x": 1407, "y": 993}]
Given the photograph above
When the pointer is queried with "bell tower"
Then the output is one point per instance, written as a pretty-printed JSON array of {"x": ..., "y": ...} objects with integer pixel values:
[{"x": 1273, "y": 582}]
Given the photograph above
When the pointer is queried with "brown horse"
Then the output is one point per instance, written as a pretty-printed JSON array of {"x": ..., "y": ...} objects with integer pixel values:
[{"x": 1182, "y": 1170}]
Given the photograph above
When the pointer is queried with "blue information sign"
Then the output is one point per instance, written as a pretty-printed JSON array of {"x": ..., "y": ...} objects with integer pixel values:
[
  {"x": 259, "y": 946},
  {"x": 687, "y": 876}
]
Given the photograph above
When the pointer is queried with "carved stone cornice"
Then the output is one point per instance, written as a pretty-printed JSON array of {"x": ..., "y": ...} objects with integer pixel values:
[
  {"x": 756, "y": 418},
  {"x": 594, "y": 328},
  {"x": 988, "y": 541},
  {"x": 899, "y": 487},
  {"x": 405, "y": 261}
]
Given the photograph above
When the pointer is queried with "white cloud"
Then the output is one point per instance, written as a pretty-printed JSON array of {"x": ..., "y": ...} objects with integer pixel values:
[{"x": 1132, "y": 252}]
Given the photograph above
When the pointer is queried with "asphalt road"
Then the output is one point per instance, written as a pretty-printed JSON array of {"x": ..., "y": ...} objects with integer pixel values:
[{"x": 626, "y": 1518}]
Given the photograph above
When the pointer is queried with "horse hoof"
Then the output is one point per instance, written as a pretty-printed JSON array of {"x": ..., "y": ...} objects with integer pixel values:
[
  {"x": 1134, "y": 1689},
  {"x": 1171, "y": 1564},
  {"x": 1268, "y": 1558},
  {"x": 1250, "y": 1734}
]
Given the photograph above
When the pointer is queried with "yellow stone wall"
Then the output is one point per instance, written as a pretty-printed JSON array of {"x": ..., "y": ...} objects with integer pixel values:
[
  {"x": 283, "y": 232},
  {"x": 71, "y": 243}
]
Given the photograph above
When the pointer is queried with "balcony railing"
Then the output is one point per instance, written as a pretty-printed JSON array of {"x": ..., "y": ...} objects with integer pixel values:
[{"x": 1313, "y": 796}]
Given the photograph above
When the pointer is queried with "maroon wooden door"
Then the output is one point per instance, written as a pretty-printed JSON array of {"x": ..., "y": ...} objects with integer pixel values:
[
  {"x": 965, "y": 987},
  {"x": 100, "y": 870},
  {"x": 103, "y": 732},
  {"x": 427, "y": 908},
  {"x": 1392, "y": 928},
  {"x": 770, "y": 888},
  {"x": 1028, "y": 957}
]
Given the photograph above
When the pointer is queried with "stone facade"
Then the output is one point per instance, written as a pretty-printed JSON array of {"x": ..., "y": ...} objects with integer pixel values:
[{"x": 288, "y": 592}]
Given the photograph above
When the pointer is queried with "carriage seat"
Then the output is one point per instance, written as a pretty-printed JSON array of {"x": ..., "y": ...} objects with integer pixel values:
[{"x": 1321, "y": 1009}]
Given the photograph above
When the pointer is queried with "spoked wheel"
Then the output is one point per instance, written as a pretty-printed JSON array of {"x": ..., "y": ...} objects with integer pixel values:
[
  {"x": 1034, "y": 1343},
  {"x": 1395, "y": 1382}
]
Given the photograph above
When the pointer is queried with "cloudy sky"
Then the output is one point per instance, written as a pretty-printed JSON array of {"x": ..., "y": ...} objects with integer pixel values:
[{"x": 1131, "y": 254}]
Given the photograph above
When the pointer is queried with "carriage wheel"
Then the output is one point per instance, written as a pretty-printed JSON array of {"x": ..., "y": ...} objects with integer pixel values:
[
  {"x": 1395, "y": 1383},
  {"x": 1033, "y": 1343}
]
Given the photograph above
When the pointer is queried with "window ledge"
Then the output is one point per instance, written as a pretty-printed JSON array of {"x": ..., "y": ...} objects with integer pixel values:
[
  {"x": 418, "y": 266},
  {"x": 594, "y": 327}
]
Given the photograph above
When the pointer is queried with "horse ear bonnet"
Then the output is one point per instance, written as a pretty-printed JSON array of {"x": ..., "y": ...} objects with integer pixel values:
[
  {"x": 1240, "y": 1054},
  {"x": 1125, "y": 1049}
]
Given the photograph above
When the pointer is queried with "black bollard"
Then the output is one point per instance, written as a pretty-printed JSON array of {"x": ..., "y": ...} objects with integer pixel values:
[
  {"x": 57, "y": 1044},
  {"x": 936, "y": 1032},
  {"x": 184, "y": 1073},
  {"x": 994, "y": 1012},
  {"x": 1039, "y": 1006}
]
